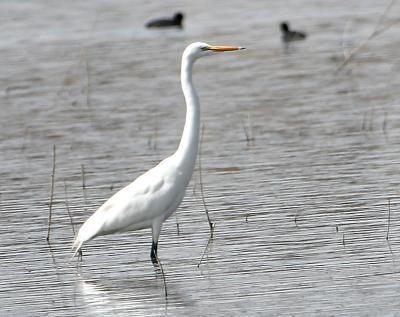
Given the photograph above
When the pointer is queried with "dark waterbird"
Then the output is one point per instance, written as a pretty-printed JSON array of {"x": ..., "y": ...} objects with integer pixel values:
[
  {"x": 175, "y": 21},
  {"x": 290, "y": 35}
]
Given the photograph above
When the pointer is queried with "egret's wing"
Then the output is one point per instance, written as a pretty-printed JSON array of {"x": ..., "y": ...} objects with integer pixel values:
[
  {"x": 147, "y": 198},
  {"x": 137, "y": 204}
]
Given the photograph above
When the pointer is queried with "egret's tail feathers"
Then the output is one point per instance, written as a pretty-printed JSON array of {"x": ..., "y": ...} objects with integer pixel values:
[{"x": 77, "y": 246}]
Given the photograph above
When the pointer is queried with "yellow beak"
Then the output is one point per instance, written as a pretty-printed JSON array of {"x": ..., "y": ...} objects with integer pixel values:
[{"x": 225, "y": 48}]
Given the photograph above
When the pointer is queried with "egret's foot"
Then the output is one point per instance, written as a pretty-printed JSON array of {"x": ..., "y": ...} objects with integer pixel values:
[
  {"x": 157, "y": 270},
  {"x": 154, "y": 261},
  {"x": 80, "y": 256}
]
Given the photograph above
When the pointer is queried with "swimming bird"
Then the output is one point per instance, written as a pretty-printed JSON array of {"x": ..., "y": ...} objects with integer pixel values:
[
  {"x": 289, "y": 35},
  {"x": 149, "y": 200},
  {"x": 176, "y": 20}
]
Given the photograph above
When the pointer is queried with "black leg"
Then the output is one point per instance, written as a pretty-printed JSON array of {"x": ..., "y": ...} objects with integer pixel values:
[
  {"x": 157, "y": 265},
  {"x": 153, "y": 253}
]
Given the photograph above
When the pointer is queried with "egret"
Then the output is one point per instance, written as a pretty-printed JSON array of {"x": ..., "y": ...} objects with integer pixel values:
[
  {"x": 176, "y": 20},
  {"x": 149, "y": 200},
  {"x": 290, "y": 35}
]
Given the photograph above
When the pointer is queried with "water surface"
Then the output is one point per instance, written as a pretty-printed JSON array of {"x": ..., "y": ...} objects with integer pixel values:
[{"x": 301, "y": 212}]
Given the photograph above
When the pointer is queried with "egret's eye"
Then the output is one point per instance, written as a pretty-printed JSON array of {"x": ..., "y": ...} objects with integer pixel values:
[{"x": 204, "y": 48}]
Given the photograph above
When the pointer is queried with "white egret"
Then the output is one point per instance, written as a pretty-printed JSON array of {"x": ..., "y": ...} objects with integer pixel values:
[{"x": 154, "y": 196}]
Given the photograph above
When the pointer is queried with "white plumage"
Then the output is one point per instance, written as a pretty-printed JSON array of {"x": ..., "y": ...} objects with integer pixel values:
[{"x": 155, "y": 195}]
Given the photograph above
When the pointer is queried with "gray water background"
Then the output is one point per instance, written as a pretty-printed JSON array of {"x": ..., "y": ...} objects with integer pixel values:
[{"x": 301, "y": 212}]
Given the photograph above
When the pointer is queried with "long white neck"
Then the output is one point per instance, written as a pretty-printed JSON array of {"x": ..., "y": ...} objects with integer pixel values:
[{"x": 188, "y": 147}]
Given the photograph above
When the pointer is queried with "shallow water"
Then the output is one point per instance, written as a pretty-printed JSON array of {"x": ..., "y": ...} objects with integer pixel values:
[{"x": 301, "y": 212}]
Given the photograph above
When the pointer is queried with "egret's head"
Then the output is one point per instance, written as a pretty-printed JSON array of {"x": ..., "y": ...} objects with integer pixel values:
[{"x": 199, "y": 49}]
